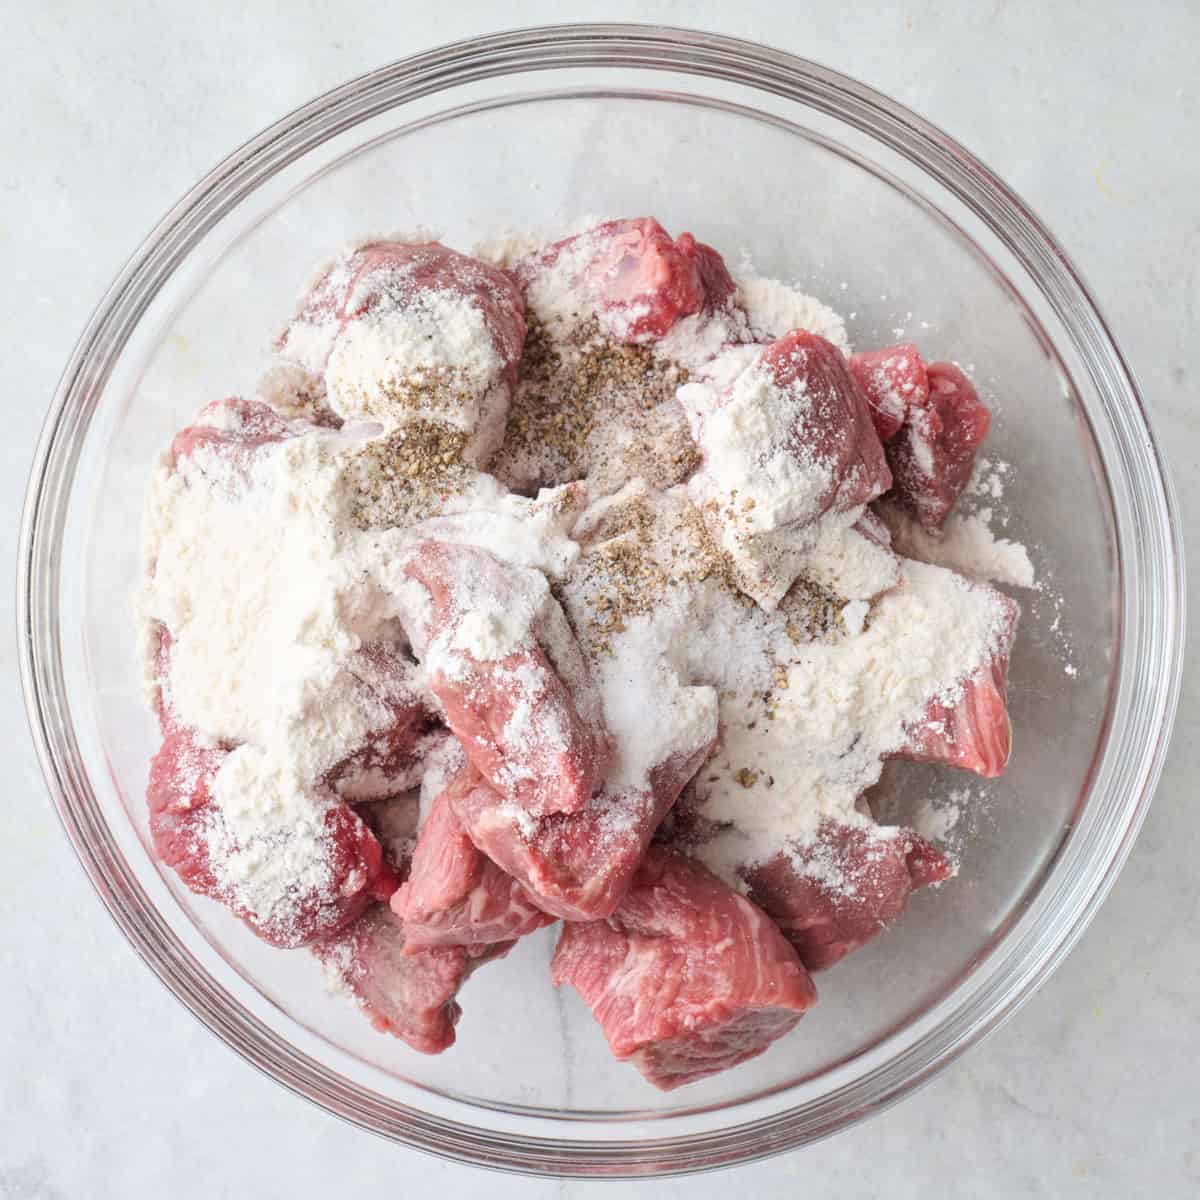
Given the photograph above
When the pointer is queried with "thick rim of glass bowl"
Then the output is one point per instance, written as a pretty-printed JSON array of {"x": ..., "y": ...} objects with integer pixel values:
[{"x": 1149, "y": 562}]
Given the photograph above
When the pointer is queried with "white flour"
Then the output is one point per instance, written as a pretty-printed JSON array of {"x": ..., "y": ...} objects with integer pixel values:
[
  {"x": 764, "y": 492},
  {"x": 376, "y": 356},
  {"x": 271, "y": 588},
  {"x": 937, "y": 818},
  {"x": 839, "y": 709},
  {"x": 750, "y": 462},
  {"x": 775, "y": 308},
  {"x": 416, "y": 351},
  {"x": 965, "y": 544}
]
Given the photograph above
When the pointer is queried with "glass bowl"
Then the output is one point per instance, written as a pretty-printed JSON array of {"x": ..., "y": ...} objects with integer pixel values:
[{"x": 816, "y": 178}]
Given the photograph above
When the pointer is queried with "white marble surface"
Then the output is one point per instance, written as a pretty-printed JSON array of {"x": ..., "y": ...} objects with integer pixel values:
[{"x": 108, "y": 1088}]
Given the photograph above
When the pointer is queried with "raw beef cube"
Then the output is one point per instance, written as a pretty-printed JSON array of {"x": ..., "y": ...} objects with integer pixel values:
[
  {"x": 834, "y": 895},
  {"x": 578, "y": 865},
  {"x": 630, "y": 273},
  {"x": 787, "y": 442},
  {"x": 191, "y": 836},
  {"x": 384, "y": 277},
  {"x": 715, "y": 281},
  {"x": 455, "y": 895},
  {"x": 973, "y": 733},
  {"x": 506, "y": 667},
  {"x": 976, "y": 734},
  {"x": 933, "y": 455},
  {"x": 410, "y": 995},
  {"x": 686, "y": 978},
  {"x": 834, "y": 426},
  {"x": 893, "y": 381},
  {"x": 414, "y": 332},
  {"x": 232, "y": 429}
]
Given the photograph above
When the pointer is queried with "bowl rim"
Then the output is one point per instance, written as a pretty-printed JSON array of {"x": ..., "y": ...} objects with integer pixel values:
[{"x": 1150, "y": 569}]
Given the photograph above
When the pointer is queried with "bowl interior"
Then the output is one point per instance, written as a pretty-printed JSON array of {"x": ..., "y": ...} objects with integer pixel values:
[{"x": 799, "y": 204}]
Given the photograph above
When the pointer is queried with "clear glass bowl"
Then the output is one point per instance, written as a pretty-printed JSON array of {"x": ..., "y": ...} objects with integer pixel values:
[{"x": 820, "y": 179}]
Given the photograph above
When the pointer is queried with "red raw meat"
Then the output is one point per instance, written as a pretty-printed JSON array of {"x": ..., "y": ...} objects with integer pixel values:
[
  {"x": 179, "y": 801},
  {"x": 386, "y": 274},
  {"x": 232, "y": 428},
  {"x": 933, "y": 455},
  {"x": 976, "y": 734},
  {"x": 715, "y": 280},
  {"x": 853, "y": 882},
  {"x": 183, "y": 819},
  {"x": 838, "y": 427},
  {"x": 686, "y": 978},
  {"x": 410, "y": 995},
  {"x": 455, "y": 895},
  {"x": 893, "y": 380},
  {"x": 815, "y": 452},
  {"x": 578, "y": 865},
  {"x": 530, "y": 721},
  {"x": 638, "y": 278}
]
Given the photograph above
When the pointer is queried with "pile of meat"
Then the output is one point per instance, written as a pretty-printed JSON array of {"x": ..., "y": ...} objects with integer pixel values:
[{"x": 500, "y": 795}]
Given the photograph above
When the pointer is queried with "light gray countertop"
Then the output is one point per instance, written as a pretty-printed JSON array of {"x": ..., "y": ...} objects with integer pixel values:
[{"x": 108, "y": 1088}]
